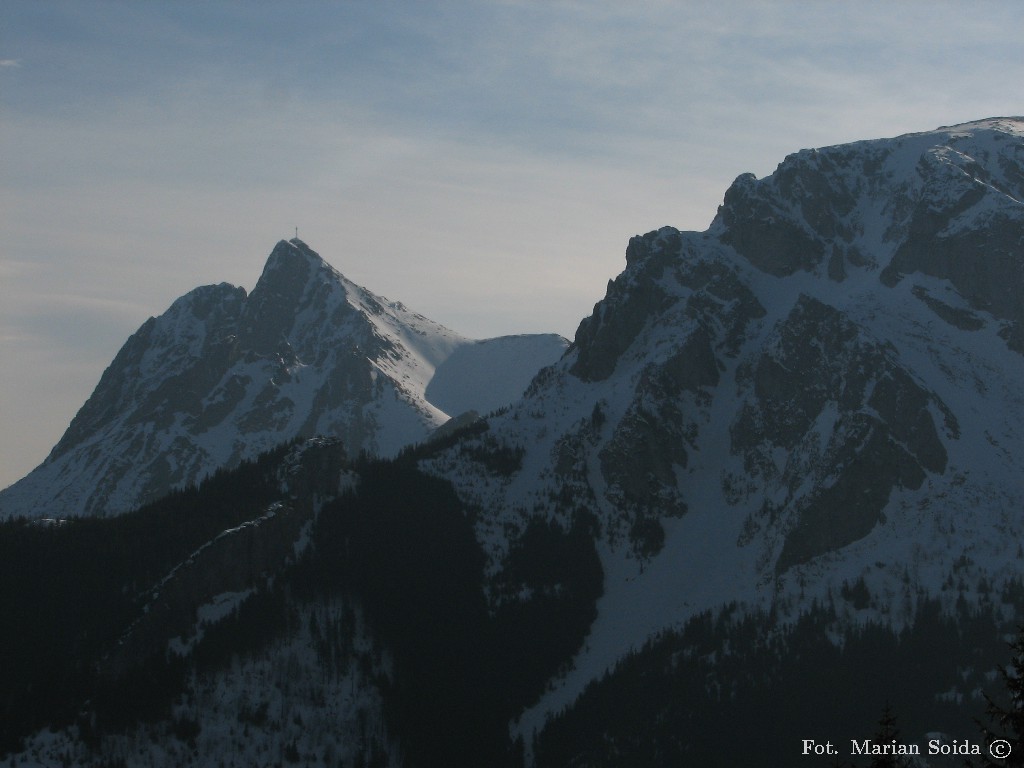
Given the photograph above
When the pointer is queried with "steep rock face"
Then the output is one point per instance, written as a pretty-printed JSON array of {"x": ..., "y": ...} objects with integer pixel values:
[
  {"x": 604, "y": 336},
  {"x": 965, "y": 227},
  {"x": 777, "y": 403},
  {"x": 944, "y": 203},
  {"x": 222, "y": 376},
  {"x": 844, "y": 415}
]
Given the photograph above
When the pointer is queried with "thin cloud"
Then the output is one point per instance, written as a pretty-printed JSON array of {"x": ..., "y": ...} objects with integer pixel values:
[{"x": 10, "y": 62}]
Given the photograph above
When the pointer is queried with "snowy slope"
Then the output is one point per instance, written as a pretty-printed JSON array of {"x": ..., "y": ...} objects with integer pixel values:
[
  {"x": 222, "y": 376},
  {"x": 492, "y": 373},
  {"x": 823, "y": 386}
]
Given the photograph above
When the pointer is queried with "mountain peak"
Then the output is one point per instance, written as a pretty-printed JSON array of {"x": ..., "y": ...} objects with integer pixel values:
[
  {"x": 291, "y": 277},
  {"x": 222, "y": 376},
  {"x": 292, "y": 257}
]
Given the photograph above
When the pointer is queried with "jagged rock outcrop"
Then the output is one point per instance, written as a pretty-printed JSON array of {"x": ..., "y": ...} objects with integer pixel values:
[{"x": 846, "y": 416}]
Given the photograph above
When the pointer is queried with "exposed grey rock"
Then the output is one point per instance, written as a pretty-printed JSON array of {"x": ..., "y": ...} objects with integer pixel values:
[
  {"x": 982, "y": 262},
  {"x": 760, "y": 230},
  {"x": 957, "y": 218},
  {"x": 205, "y": 318},
  {"x": 222, "y": 376},
  {"x": 632, "y": 299},
  {"x": 849, "y": 417},
  {"x": 961, "y": 318}
]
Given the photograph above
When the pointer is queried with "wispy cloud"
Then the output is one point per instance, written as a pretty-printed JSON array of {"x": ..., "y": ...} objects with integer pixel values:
[{"x": 10, "y": 62}]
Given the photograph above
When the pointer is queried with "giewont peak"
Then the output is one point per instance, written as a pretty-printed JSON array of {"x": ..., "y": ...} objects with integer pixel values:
[
  {"x": 291, "y": 266},
  {"x": 293, "y": 275},
  {"x": 290, "y": 255}
]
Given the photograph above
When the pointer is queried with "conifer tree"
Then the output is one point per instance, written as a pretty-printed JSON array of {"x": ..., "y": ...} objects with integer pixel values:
[
  {"x": 1006, "y": 720},
  {"x": 888, "y": 734}
]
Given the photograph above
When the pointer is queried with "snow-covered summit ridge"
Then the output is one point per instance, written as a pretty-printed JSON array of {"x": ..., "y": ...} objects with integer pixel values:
[
  {"x": 223, "y": 375},
  {"x": 946, "y": 203},
  {"x": 821, "y": 387}
]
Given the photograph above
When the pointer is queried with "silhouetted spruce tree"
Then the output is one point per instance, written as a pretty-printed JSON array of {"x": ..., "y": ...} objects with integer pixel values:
[
  {"x": 886, "y": 735},
  {"x": 1006, "y": 718}
]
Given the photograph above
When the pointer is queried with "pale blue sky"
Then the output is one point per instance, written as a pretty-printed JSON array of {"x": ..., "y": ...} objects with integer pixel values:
[{"x": 483, "y": 162}]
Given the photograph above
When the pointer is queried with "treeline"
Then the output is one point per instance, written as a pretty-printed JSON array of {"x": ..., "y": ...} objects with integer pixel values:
[
  {"x": 735, "y": 689},
  {"x": 467, "y": 654},
  {"x": 400, "y": 545},
  {"x": 404, "y": 546},
  {"x": 69, "y": 588}
]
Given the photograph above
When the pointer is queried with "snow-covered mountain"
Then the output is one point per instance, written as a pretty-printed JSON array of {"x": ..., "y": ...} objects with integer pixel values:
[
  {"x": 823, "y": 386},
  {"x": 780, "y": 466},
  {"x": 222, "y": 376}
]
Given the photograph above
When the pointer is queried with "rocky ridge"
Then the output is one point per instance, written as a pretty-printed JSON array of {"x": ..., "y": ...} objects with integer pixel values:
[
  {"x": 818, "y": 388},
  {"x": 796, "y": 408},
  {"x": 223, "y": 375}
]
